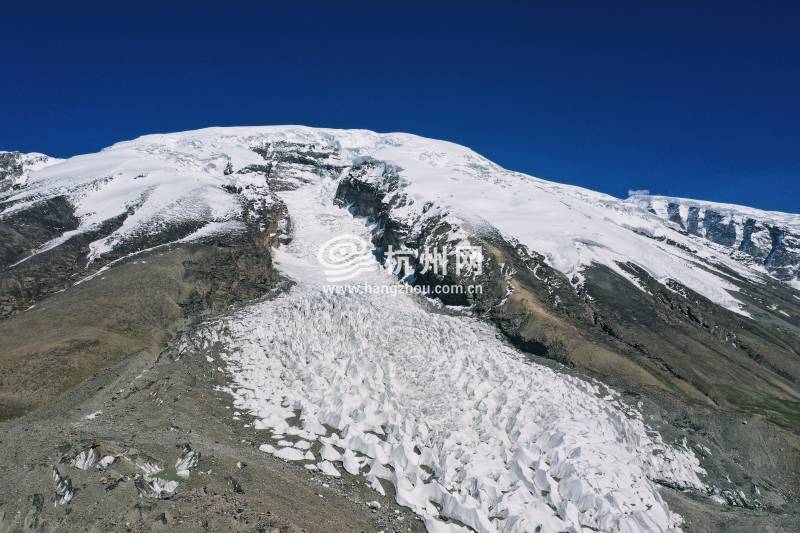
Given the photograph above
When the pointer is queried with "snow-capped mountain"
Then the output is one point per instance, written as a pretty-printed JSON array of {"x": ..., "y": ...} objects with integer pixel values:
[
  {"x": 683, "y": 310},
  {"x": 181, "y": 179}
]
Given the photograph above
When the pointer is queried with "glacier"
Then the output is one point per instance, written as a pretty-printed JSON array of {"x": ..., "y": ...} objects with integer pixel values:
[{"x": 465, "y": 428}]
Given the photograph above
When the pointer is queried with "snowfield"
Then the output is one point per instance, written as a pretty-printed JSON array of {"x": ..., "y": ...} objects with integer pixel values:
[{"x": 466, "y": 429}]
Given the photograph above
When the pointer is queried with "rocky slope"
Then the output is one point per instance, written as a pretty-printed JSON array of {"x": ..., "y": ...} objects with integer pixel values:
[{"x": 688, "y": 311}]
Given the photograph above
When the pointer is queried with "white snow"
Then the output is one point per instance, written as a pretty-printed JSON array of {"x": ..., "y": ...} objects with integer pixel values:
[
  {"x": 462, "y": 425},
  {"x": 86, "y": 459},
  {"x": 327, "y": 468},
  {"x": 289, "y": 454},
  {"x": 156, "y": 187},
  {"x": 62, "y": 487},
  {"x": 184, "y": 464},
  {"x": 158, "y": 488},
  {"x": 329, "y": 453}
]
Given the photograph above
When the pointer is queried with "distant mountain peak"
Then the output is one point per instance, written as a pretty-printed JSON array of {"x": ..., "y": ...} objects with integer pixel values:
[{"x": 16, "y": 166}]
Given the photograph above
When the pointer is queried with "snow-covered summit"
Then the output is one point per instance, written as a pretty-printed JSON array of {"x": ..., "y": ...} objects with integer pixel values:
[{"x": 187, "y": 177}]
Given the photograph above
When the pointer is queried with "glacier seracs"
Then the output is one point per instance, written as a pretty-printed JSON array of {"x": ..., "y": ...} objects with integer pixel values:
[{"x": 465, "y": 428}]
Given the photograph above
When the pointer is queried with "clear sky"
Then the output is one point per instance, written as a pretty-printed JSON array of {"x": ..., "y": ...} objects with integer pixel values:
[{"x": 694, "y": 99}]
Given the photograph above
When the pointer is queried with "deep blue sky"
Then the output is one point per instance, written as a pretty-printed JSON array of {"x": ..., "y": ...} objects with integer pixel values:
[{"x": 693, "y": 99}]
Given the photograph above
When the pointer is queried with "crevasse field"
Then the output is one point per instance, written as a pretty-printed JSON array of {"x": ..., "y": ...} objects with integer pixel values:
[{"x": 464, "y": 428}]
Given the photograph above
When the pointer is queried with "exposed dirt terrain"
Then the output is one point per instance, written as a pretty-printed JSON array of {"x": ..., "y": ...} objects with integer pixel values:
[
  {"x": 152, "y": 406},
  {"x": 59, "y": 343}
]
